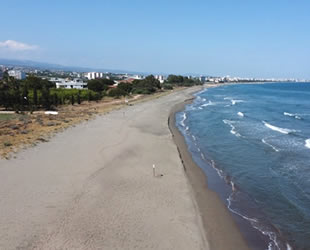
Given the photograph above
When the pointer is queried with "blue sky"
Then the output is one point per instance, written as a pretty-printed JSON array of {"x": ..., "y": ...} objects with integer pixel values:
[{"x": 265, "y": 38}]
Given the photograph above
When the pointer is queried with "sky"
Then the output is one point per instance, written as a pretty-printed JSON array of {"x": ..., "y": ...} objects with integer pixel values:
[{"x": 247, "y": 38}]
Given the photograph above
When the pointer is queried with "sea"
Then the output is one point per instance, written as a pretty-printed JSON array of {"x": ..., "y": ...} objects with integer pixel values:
[{"x": 252, "y": 141}]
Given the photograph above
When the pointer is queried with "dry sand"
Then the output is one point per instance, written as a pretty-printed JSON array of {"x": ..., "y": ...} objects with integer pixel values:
[{"x": 92, "y": 187}]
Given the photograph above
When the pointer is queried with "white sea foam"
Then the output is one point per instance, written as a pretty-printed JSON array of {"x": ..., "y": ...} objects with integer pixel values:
[
  {"x": 307, "y": 143},
  {"x": 288, "y": 247},
  {"x": 194, "y": 138},
  {"x": 278, "y": 129},
  {"x": 296, "y": 116},
  {"x": 229, "y": 200},
  {"x": 207, "y": 104},
  {"x": 273, "y": 147},
  {"x": 219, "y": 171},
  {"x": 240, "y": 114},
  {"x": 183, "y": 120},
  {"x": 233, "y": 129},
  {"x": 233, "y": 102},
  {"x": 273, "y": 244}
]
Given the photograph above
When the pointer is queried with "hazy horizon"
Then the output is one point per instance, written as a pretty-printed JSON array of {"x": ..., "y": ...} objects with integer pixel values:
[{"x": 262, "y": 39}]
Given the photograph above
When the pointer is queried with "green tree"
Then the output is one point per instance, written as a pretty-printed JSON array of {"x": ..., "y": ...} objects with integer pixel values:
[
  {"x": 25, "y": 97},
  {"x": 148, "y": 85},
  {"x": 89, "y": 96},
  {"x": 79, "y": 97},
  {"x": 55, "y": 99},
  {"x": 35, "y": 97},
  {"x": 117, "y": 92},
  {"x": 72, "y": 100},
  {"x": 126, "y": 87},
  {"x": 46, "y": 99},
  {"x": 99, "y": 85}
]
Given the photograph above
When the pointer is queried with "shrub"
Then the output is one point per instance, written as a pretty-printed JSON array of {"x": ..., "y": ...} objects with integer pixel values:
[{"x": 117, "y": 92}]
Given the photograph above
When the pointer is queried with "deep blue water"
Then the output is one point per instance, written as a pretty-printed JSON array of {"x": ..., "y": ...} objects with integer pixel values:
[{"x": 253, "y": 143}]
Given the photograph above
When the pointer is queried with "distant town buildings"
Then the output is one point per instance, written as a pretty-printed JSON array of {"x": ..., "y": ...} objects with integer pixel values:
[
  {"x": 136, "y": 77},
  {"x": 59, "y": 75},
  {"x": 70, "y": 84},
  {"x": 93, "y": 75},
  {"x": 202, "y": 79},
  {"x": 17, "y": 74}
]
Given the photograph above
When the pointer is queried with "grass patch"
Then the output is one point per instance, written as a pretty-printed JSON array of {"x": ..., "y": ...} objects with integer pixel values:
[{"x": 7, "y": 117}]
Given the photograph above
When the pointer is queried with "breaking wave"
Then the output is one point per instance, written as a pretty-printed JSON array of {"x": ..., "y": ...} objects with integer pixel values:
[
  {"x": 278, "y": 129},
  {"x": 233, "y": 128},
  {"x": 273, "y": 147},
  {"x": 307, "y": 143},
  {"x": 296, "y": 116},
  {"x": 233, "y": 102},
  {"x": 207, "y": 104},
  {"x": 183, "y": 120},
  {"x": 240, "y": 114}
]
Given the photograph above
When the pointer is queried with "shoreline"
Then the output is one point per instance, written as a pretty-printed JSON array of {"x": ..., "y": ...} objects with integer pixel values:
[{"x": 217, "y": 221}]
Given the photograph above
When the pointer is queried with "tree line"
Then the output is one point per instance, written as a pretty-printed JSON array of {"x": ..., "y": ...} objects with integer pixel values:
[{"x": 36, "y": 93}]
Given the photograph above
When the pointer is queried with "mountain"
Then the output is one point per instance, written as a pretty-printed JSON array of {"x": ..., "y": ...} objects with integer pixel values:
[{"x": 50, "y": 66}]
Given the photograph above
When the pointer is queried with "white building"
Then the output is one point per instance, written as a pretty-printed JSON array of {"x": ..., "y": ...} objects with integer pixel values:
[
  {"x": 17, "y": 74},
  {"x": 68, "y": 84},
  {"x": 93, "y": 75},
  {"x": 160, "y": 78}
]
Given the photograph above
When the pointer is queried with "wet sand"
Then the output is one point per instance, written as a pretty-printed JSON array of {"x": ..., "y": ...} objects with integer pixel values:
[{"x": 220, "y": 229}]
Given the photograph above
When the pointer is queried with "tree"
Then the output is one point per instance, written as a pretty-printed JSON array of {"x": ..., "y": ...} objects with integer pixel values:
[
  {"x": 89, "y": 96},
  {"x": 79, "y": 97},
  {"x": 38, "y": 83},
  {"x": 25, "y": 93},
  {"x": 126, "y": 87},
  {"x": 117, "y": 92},
  {"x": 35, "y": 96},
  {"x": 55, "y": 99},
  {"x": 99, "y": 85},
  {"x": 72, "y": 100},
  {"x": 46, "y": 99},
  {"x": 146, "y": 86}
]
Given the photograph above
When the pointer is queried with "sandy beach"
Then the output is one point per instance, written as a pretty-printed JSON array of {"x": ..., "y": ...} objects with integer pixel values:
[{"x": 92, "y": 187}]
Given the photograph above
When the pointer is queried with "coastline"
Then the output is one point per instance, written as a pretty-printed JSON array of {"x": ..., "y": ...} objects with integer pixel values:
[{"x": 219, "y": 226}]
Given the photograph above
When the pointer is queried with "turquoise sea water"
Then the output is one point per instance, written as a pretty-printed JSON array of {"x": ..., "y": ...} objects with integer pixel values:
[{"x": 253, "y": 143}]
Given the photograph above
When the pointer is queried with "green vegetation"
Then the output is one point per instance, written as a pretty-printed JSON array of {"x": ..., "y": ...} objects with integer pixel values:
[
  {"x": 174, "y": 80},
  {"x": 7, "y": 117},
  {"x": 99, "y": 85},
  {"x": 146, "y": 86},
  {"x": 36, "y": 93}
]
